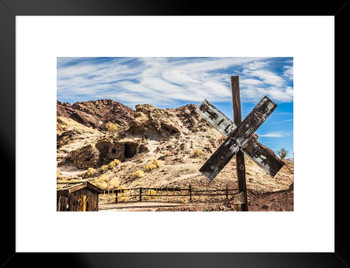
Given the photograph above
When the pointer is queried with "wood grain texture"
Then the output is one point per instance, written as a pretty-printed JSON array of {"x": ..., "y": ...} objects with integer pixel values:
[
  {"x": 236, "y": 100},
  {"x": 73, "y": 202},
  {"x": 216, "y": 118},
  {"x": 240, "y": 164},
  {"x": 238, "y": 138},
  {"x": 257, "y": 152}
]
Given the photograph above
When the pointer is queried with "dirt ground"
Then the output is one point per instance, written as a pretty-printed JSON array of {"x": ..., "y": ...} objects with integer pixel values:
[
  {"x": 274, "y": 201},
  {"x": 278, "y": 201}
]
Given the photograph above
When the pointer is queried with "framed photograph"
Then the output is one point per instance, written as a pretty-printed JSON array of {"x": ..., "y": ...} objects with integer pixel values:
[{"x": 164, "y": 135}]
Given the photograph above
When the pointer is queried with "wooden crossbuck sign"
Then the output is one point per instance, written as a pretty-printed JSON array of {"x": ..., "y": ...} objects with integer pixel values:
[{"x": 239, "y": 139}]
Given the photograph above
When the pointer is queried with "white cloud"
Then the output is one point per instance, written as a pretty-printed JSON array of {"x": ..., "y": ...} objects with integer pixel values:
[
  {"x": 288, "y": 72},
  {"x": 251, "y": 82},
  {"x": 267, "y": 77},
  {"x": 272, "y": 135},
  {"x": 280, "y": 94},
  {"x": 256, "y": 65},
  {"x": 283, "y": 121},
  {"x": 167, "y": 80}
]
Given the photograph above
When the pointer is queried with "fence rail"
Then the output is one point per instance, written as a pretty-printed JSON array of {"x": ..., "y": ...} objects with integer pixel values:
[{"x": 143, "y": 194}]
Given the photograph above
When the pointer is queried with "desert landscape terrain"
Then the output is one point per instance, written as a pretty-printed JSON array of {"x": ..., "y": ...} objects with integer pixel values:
[{"x": 116, "y": 147}]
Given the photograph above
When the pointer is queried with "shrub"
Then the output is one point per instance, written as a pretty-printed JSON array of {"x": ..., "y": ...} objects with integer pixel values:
[
  {"x": 90, "y": 172},
  {"x": 113, "y": 163},
  {"x": 197, "y": 153},
  {"x": 104, "y": 168},
  {"x": 150, "y": 167},
  {"x": 111, "y": 127},
  {"x": 151, "y": 194},
  {"x": 123, "y": 194},
  {"x": 156, "y": 162},
  {"x": 139, "y": 174},
  {"x": 282, "y": 153}
]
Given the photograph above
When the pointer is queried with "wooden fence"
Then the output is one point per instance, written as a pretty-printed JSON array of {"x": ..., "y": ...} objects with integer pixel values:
[{"x": 183, "y": 195}]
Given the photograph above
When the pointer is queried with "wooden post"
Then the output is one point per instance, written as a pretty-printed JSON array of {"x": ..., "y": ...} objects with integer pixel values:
[
  {"x": 190, "y": 192},
  {"x": 237, "y": 118},
  {"x": 140, "y": 194},
  {"x": 84, "y": 203},
  {"x": 226, "y": 192},
  {"x": 59, "y": 204},
  {"x": 116, "y": 196}
]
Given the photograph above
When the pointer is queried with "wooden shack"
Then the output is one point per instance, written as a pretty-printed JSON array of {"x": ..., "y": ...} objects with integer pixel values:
[{"x": 77, "y": 197}]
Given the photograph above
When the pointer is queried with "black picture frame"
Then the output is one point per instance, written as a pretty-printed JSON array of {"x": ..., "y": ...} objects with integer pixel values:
[{"x": 9, "y": 9}]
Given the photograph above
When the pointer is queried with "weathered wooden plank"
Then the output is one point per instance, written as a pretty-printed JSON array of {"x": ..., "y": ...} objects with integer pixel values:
[
  {"x": 236, "y": 100},
  {"x": 216, "y": 118},
  {"x": 238, "y": 138},
  {"x": 257, "y": 152},
  {"x": 237, "y": 118},
  {"x": 264, "y": 157}
]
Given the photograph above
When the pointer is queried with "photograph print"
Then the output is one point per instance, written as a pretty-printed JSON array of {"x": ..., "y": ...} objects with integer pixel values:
[{"x": 175, "y": 134}]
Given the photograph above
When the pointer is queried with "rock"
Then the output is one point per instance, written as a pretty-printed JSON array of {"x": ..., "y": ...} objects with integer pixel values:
[
  {"x": 153, "y": 121},
  {"x": 265, "y": 207},
  {"x": 86, "y": 157},
  {"x": 96, "y": 113}
]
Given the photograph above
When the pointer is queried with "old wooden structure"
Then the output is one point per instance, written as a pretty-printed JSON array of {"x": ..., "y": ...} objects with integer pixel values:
[
  {"x": 240, "y": 139},
  {"x": 78, "y": 197}
]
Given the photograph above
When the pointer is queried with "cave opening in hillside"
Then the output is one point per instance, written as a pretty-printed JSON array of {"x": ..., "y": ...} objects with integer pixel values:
[{"x": 130, "y": 149}]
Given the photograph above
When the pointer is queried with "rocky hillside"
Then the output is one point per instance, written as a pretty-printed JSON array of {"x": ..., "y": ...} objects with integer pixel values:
[
  {"x": 151, "y": 147},
  {"x": 96, "y": 113}
]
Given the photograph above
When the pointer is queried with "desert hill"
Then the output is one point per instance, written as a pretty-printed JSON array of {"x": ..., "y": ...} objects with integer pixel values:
[
  {"x": 151, "y": 147},
  {"x": 96, "y": 113}
]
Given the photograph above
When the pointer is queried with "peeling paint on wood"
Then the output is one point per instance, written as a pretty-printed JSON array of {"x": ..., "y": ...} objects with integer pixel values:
[
  {"x": 257, "y": 152},
  {"x": 238, "y": 138},
  {"x": 216, "y": 118},
  {"x": 263, "y": 157}
]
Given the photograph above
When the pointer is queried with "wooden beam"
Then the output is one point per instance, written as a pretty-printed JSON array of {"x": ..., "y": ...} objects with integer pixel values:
[
  {"x": 256, "y": 151},
  {"x": 240, "y": 164},
  {"x": 238, "y": 138},
  {"x": 216, "y": 118},
  {"x": 263, "y": 157}
]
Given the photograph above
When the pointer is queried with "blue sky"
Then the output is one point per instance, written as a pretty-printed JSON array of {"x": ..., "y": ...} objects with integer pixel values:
[{"x": 173, "y": 82}]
